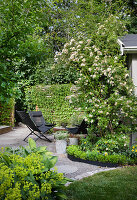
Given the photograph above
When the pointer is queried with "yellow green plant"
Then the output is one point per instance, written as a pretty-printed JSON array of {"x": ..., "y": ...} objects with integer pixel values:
[{"x": 29, "y": 175}]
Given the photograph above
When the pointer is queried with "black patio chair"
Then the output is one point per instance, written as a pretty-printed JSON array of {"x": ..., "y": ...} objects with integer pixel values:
[
  {"x": 82, "y": 128},
  {"x": 38, "y": 119},
  {"x": 25, "y": 119}
]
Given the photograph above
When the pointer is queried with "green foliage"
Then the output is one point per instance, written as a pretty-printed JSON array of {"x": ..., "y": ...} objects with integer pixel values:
[
  {"x": 132, "y": 25},
  {"x": 105, "y": 91},
  {"x": 96, "y": 156},
  {"x": 21, "y": 46},
  {"x": 132, "y": 151},
  {"x": 6, "y": 111},
  {"x": 112, "y": 144},
  {"x": 26, "y": 173},
  {"x": 112, "y": 149},
  {"x": 61, "y": 135},
  {"x": 52, "y": 101},
  {"x": 85, "y": 144},
  {"x": 49, "y": 74}
]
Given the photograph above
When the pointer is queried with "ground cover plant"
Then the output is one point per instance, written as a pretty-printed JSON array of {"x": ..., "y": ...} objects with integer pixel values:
[
  {"x": 110, "y": 149},
  {"x": 119, "y": 184},
  {"x": 25, "y": 173}
]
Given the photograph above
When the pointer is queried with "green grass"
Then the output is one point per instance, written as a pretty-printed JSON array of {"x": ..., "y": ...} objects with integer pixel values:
[{"x": 119, "y": 184}]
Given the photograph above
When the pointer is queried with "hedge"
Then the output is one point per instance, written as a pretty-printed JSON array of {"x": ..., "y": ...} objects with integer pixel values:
[
  {"x": 7, "y": 113},
  {"x": 53, "y": 101}
]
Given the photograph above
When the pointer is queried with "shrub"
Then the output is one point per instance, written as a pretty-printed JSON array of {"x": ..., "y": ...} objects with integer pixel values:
[
  {"x": 85, "y": 144},
  {"x": 6, "y": 113},
  {"x": 132, "y": 151},
  {"x": 105, "y": 91},
  {"x": 104, "y": 157},
  {"x": 26, "y": 174},
  {"x": 53, "y": 101},
  {"x": 50, "y": 74},
  {"x": 112, "y": 144},
  {"x": 61, "y": 135}
]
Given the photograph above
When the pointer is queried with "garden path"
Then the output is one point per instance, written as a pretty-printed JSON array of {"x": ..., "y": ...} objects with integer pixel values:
[{"x": 71, "y": 169}]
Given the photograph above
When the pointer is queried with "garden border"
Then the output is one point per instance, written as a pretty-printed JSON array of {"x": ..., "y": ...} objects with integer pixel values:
[{"x": 73, "y": 158}]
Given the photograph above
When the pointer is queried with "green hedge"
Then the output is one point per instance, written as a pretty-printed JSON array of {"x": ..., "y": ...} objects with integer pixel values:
[
  {"x": 7, "y": 113},
  {"x": 53, "y": 101},
  {"x": 75, "y": 151}
]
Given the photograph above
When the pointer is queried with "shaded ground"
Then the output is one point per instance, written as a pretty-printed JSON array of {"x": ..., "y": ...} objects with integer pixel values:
[{"x": 71, "y": 169}]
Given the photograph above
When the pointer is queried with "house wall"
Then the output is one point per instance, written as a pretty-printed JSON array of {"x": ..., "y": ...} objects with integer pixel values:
[{"x": 134, "y": 71}]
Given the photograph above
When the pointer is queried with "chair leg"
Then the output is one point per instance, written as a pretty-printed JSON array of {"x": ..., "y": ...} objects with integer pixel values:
[
  {"x": 28, "y": 136},
  {"x": 45, "y": 137},
  {"x": 32, "y": 132}
]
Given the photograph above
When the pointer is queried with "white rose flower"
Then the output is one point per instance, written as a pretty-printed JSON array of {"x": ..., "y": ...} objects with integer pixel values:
[
  {"x": 108, "y": 69},
  {"x": 94, "y": 76},
  {"x": 56, "y": 59},
  {"x": 126, "y": 75},
  {"x": 83, "y": 64},
  {"x": 100, "y": 111},
  {"x": 71, "y": 57},
  {"x": 72, "y": 40},
  {"x": 81, "y": 57},
  {"x": 80, "y": 42},
  {"x": 91, "y": 54},
  {"x": 73, "y": 48},
  {"x": 65, "y": 51},
  {"x": 83, "y": 60},
  {"x": 66, "y": 45},
  {"x": 88, "y": 41},
  {"x": 78, "y": 46},
  {"x": 99, "y": 53}
]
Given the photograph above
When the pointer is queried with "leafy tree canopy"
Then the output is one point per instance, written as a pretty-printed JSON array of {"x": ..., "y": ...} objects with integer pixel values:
[{"x": 22, "y": 44}]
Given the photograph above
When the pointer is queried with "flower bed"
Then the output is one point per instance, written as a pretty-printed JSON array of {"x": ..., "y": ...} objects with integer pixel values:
[
  {"x": 97, "y": 163},
  {"x": 75, "y": 151}
]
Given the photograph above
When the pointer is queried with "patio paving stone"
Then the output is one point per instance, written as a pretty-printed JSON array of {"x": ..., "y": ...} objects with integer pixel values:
[{"x": 70, "y": 169}]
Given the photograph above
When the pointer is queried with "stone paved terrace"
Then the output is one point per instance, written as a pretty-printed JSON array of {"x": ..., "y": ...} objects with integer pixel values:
[{"x": 71, "y": 169}]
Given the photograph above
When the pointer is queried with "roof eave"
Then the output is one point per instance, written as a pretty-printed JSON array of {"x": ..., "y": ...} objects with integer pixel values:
[
  {"x": 130, "y": 49},
  {"x": 123, "y": 49},
  {"x": 121, "y": 46}
]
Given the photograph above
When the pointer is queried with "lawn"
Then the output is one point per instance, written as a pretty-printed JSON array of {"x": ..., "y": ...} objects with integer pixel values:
[{"x": 119, "y": 184}]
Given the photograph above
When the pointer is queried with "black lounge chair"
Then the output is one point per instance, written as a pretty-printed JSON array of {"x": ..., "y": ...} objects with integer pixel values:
[
  {"x": 38, "y": 119},
  {"x": 82, "y": 128},
  {"x": 25, "y": 119}
]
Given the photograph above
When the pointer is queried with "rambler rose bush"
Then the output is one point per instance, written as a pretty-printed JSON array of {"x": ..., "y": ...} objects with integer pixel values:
[{"x": 104, "y": 90}]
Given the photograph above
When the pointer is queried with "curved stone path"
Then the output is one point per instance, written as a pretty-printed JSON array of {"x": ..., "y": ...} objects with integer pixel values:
[{"x": 70, "y": 169}]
